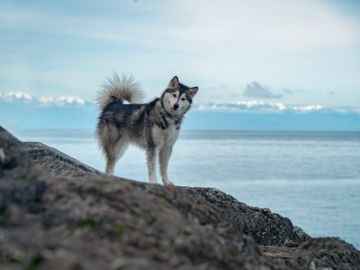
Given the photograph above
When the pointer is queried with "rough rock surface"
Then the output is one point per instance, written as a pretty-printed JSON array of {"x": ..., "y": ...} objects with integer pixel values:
[
  {"x": 54, "y": 163},
  {"x": 15, "y": 163},
  {"x": 317, "y": 253},
  {"x": 57, "y": 213},
  {"x": 265, "y": 227}
]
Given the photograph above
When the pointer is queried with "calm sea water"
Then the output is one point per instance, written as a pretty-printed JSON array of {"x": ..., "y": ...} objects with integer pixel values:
[{"x": 313, "y": 178}]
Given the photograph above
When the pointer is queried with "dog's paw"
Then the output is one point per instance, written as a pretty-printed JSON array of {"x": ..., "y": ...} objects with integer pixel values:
[
  {"x": 171, "y": 184},
  {"x": 155, "y": 183}
]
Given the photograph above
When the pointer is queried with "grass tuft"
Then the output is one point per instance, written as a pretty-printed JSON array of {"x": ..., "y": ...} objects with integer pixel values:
[
  {"x": 121, "y": 227},
  {"x": 105, "y": 182},
  {"x": 92, "y": 223},
  {"x": 39, "y": 259}
]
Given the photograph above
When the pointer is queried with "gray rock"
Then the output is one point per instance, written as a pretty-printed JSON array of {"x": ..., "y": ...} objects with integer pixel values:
[
  {"x": 302, "y": 235},
  {"x": 94, "y": 221},
  {"x": 316, "y": 253},
  {"x": 55, "y": 163},
  {"x": 12, "y": 154},
  {"x": 265, "y": 227},
  {"x": 20, "y": 183},
  {"x": 57, "y": 213}
]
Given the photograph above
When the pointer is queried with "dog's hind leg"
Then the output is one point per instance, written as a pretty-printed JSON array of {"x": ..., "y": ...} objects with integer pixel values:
[
  {"x": 119, "y": 149},
  {"x": 110, "y": 165},
  {"x": 164, "y": 157},
  {"x": 112, "y": 144}
]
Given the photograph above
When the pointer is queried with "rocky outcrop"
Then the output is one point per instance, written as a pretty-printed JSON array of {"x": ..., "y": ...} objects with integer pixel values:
[
  {"x": 263, "y": 226},
  {"x": 20, "y": 183},
  {"x": 55, "y": 163},
  {"x": 317, "y": 253},
  {"x": 57, "y": 213}
]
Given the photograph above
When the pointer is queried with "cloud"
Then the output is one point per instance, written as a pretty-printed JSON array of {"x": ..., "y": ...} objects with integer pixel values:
[
  {"x": 143, "y": 38},
  {"x": 257, "y": 90},
  {"x": 331, "y": 93}
]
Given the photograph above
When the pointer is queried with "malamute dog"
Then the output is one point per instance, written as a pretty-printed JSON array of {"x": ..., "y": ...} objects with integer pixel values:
[{"x": 152, "y": 126}]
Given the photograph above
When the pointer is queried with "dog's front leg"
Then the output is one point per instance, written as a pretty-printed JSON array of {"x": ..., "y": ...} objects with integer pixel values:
[
  {"x": 164, "y": 158},
  {"x": 151, "y": 155}
]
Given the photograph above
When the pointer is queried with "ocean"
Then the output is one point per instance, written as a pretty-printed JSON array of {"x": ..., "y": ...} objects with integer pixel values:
[{"x": 313, "y": 178}]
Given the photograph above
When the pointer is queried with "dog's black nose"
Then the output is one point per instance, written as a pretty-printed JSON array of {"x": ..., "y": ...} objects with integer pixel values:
[{"x": 176, "y": 106}]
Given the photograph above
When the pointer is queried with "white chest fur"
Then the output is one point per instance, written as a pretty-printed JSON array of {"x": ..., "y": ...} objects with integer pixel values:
[{"x": 166, "y": 136}]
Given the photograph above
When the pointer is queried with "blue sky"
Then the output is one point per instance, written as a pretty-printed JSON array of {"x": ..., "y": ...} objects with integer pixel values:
[{"x": 297, "y": 52}]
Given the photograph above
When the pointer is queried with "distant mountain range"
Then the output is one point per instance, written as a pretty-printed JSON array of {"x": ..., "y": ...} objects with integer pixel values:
[{"x": 21, "y": 110}]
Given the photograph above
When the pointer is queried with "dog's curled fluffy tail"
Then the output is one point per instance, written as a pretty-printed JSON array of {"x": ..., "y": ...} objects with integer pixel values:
[{"x": 116, "y": 88}]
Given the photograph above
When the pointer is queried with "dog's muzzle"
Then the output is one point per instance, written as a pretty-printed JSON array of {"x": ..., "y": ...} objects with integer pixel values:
[{"x": 175, "y": 107}]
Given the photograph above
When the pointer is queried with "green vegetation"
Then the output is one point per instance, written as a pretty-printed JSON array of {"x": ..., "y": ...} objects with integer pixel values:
[
  {"x": 121, "y": 227},
  {"x": 105, "y": 182},
  {"x": 92, "y": 223},
  {"x": 39, "y": 259},
  {"x": 178, "y": 252},
  {"x": 152, "y": 216}
]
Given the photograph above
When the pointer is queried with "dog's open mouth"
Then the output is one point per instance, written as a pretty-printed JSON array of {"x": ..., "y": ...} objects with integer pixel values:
[{"x": 173, "y": 110}]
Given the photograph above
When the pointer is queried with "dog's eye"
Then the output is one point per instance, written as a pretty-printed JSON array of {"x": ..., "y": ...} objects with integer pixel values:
[
  {"x": 183, "y": 99},
  {"x": 174, "y": 95}
]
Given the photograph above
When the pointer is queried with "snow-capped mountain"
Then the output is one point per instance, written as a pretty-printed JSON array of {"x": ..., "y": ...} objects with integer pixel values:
[
  {"x": 25, "y": 111},
  {"x": 16, "y": 96},
  {"x": 62, "y": 101},
  {"x": 251, "y": 106},
  {"x": 29, "y": 101},
  {"x": 254, "y": 106}
]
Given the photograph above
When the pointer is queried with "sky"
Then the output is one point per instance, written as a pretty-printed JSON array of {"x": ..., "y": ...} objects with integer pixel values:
[{"x": 297, "y": 52}]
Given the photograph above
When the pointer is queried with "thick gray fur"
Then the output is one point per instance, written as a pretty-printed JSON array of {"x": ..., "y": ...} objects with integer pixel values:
[{"x": 152, "y": 126}]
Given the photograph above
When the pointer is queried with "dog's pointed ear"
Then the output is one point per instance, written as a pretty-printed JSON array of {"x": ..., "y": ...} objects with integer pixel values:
[
  {"x": 174, "y": 83},
  {"x": 192, "y": 91}
]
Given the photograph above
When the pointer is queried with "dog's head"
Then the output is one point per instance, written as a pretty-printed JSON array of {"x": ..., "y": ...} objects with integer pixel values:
[{"x": 177, "y": 98}]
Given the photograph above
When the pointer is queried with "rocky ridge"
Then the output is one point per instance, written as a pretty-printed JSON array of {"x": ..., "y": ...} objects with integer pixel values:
[{"x": 58, "y": 213}]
